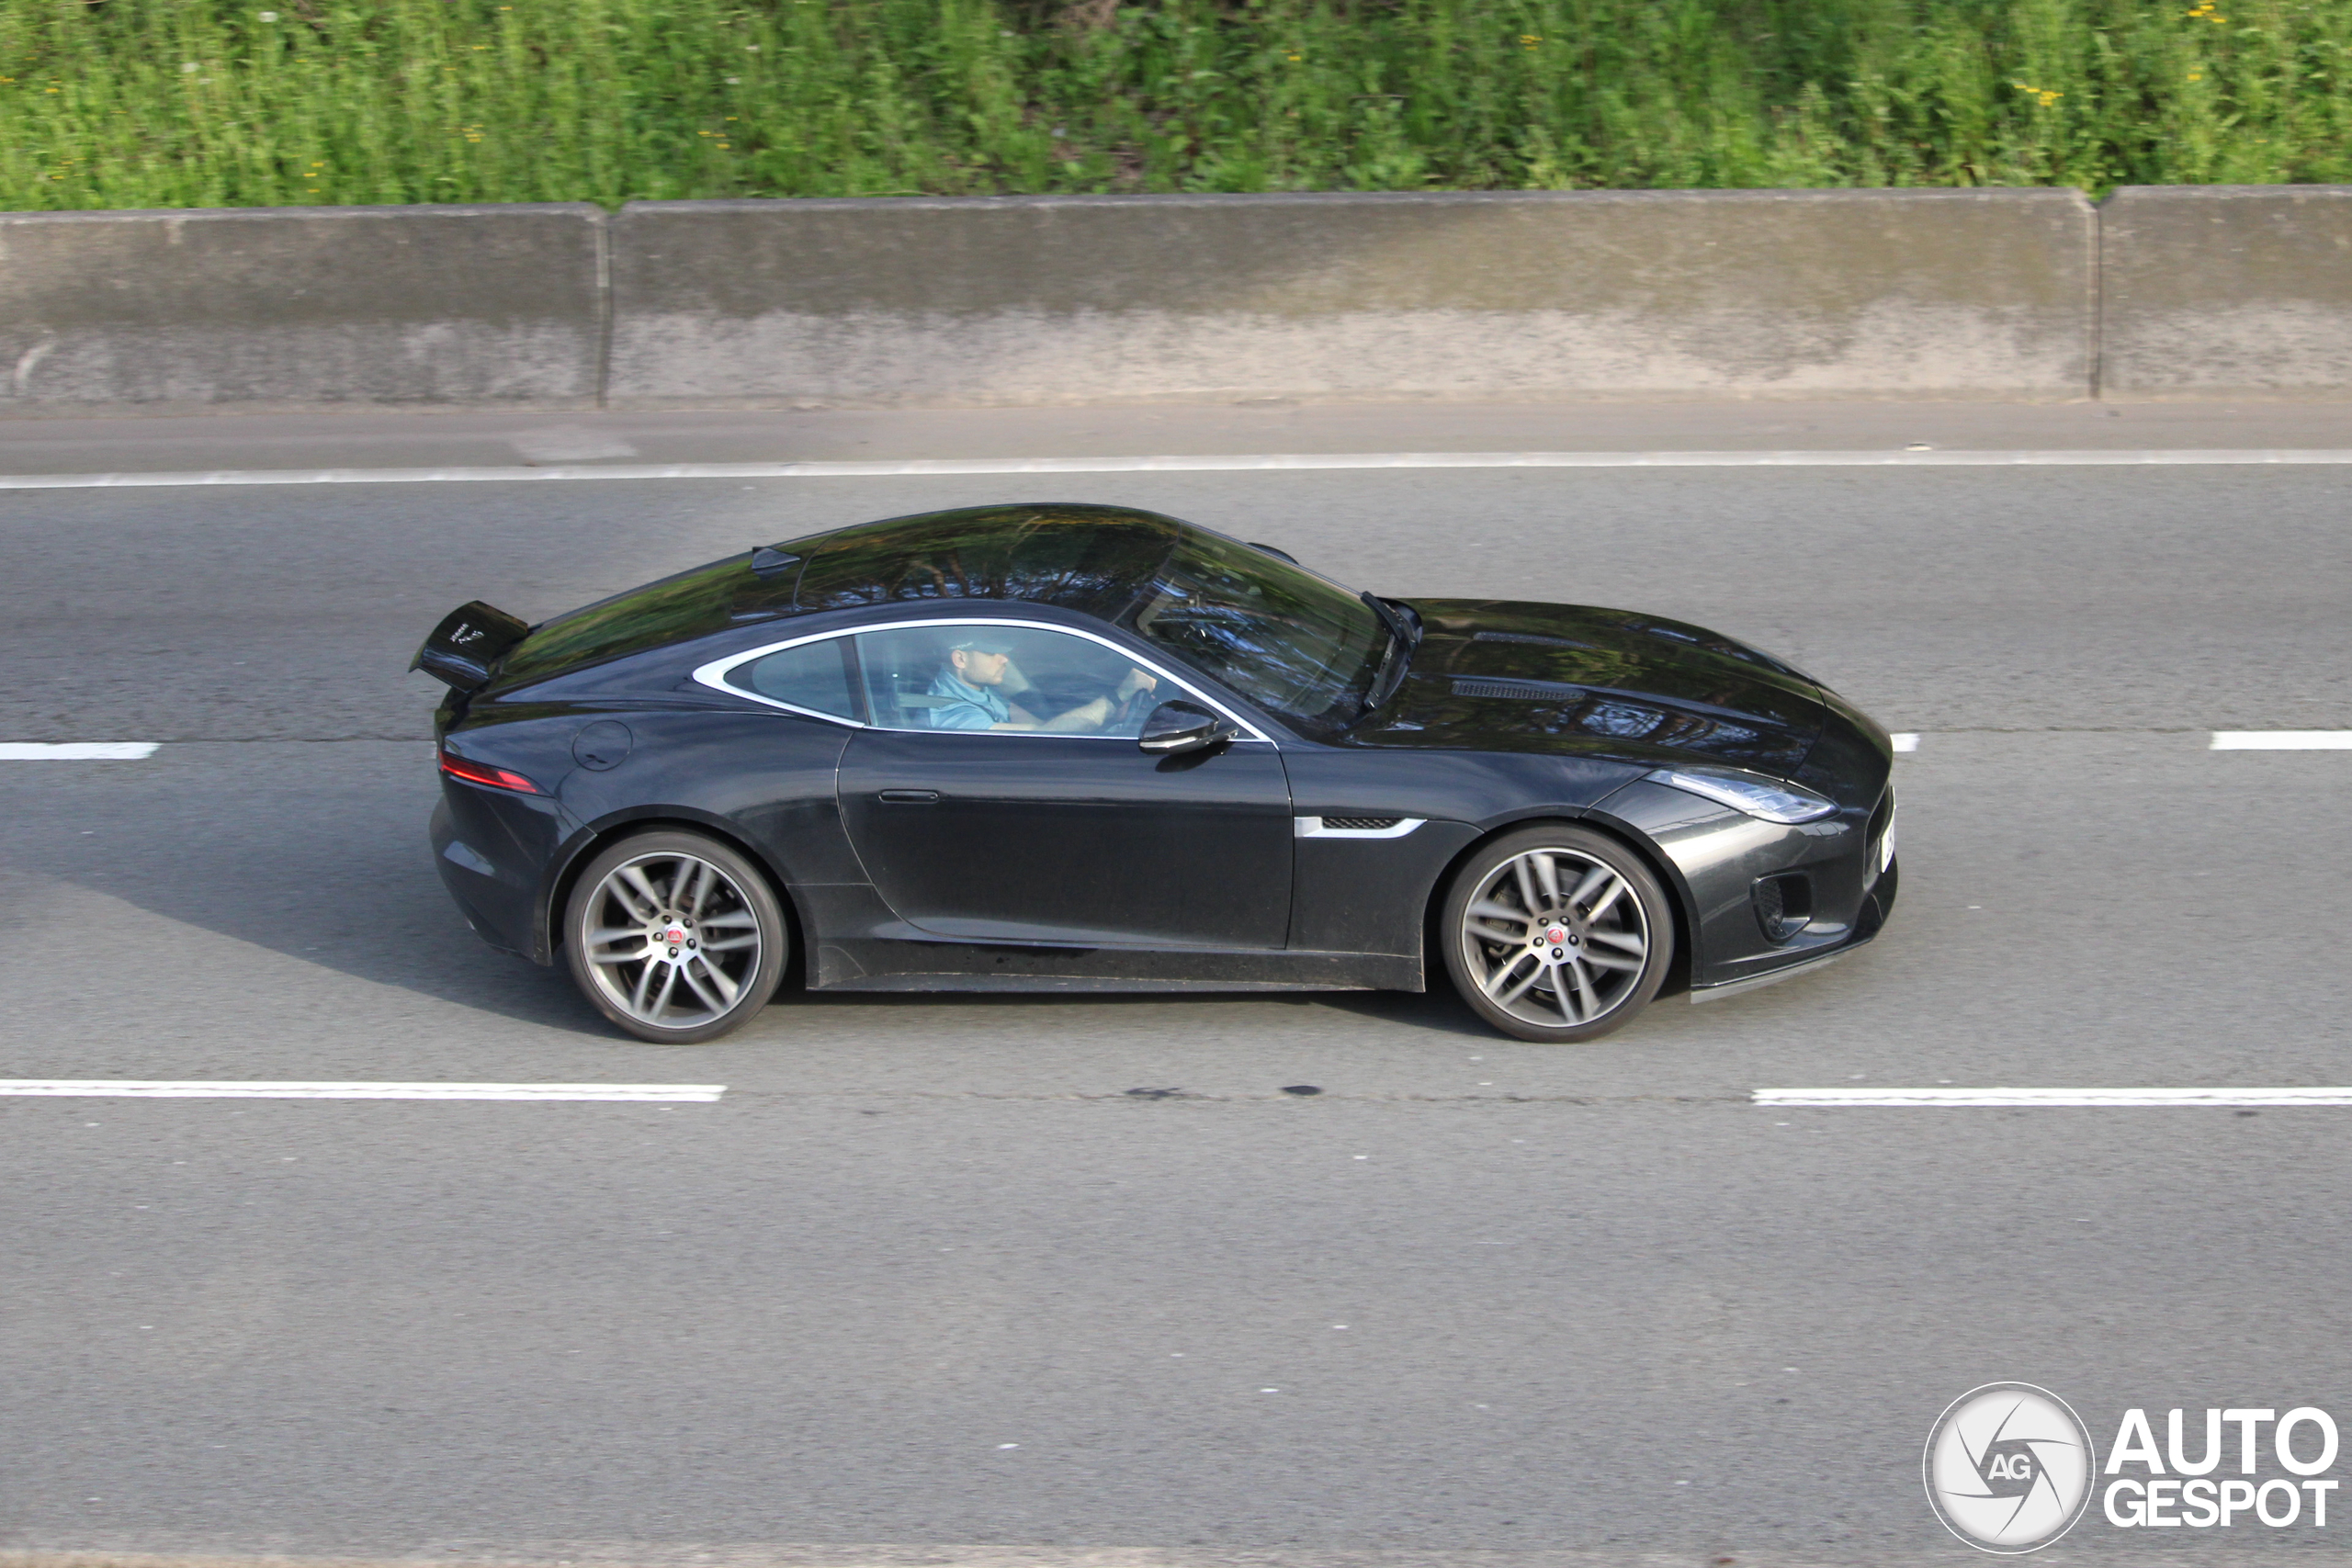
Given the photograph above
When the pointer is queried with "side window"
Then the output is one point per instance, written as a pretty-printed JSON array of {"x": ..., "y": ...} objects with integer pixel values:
[
  {"x": 814, "y": 675},
  {"x": 1012, "y": 678}
]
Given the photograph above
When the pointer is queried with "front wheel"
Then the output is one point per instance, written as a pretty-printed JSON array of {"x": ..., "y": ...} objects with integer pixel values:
[
  {"x": 674, "y": 937},
  {"x": 1556, "y": 934}
]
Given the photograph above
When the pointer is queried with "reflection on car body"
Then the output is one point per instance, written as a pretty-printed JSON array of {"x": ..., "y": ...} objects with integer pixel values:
[{"x": 1066, "y": 746}]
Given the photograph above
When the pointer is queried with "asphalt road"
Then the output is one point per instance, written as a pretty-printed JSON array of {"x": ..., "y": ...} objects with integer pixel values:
[{"x": 930, "y": 1274}]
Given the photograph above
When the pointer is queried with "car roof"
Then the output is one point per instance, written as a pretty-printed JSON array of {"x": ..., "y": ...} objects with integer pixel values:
[{"x": 1077, "y": 556}]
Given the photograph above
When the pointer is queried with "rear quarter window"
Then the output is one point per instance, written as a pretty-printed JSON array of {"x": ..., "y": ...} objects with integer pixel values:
[{"x": 815, "y": 675}]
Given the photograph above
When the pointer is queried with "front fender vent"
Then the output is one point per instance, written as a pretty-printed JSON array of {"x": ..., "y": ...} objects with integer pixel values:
[
  {"x": 1525, "y": 691},
  {"x": 1361, "y": 824}
]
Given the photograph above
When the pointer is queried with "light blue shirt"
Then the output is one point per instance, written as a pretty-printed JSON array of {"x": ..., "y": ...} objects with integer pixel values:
[{"x": 969, "y": 708}]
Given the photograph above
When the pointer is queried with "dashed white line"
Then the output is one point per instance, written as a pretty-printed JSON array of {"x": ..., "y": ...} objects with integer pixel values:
[
  {"x": 76, "y": 751},
  {"x": 1253, "y": 462},
  {"x": 168, "y": 1088},
  {"x": 1904, "y": 741},
  {"x": 2281, "y": 740},
  {"x": 2124, "y": 1098}
]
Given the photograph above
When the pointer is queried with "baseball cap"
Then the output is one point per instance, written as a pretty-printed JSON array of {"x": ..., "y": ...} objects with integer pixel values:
[{"x": 982, "y": 642}]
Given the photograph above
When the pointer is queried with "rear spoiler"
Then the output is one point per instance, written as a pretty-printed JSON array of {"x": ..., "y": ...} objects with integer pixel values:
[{"x": 468, "y": 644}]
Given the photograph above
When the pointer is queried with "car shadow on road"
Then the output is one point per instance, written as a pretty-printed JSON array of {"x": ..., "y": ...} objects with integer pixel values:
[
  {"x": 323, "y": 860},
  {"x": 1439, "y": 1012}
]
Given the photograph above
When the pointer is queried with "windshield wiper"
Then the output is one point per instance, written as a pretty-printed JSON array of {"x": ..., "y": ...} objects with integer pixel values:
[
  {"x": 1404, "y": 637},
  {"x": 1393, "y": 616}
]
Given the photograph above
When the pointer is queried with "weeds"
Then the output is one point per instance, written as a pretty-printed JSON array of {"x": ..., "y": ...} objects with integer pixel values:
[{"x": 206, "y": 102}]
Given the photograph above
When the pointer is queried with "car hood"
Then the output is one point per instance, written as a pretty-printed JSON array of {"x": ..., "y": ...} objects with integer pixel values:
[{"x": 1501, "y": 676}]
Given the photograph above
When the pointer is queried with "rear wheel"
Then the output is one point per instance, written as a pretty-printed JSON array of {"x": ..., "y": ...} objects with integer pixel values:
[
  {"x": 674, "y": 937},
  {"x": 1557, "y": 933}
]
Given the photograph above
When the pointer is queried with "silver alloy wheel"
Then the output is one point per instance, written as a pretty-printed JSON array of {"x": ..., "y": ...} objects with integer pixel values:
[
  {"x": 670, "y": 939},
  {"x": 1555, "y": 938}
]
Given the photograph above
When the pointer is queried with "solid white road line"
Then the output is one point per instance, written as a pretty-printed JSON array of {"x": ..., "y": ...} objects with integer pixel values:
[
  {"x": 2281, "y": 740},
  {"x": 163, "y": 1088},
  {"x": 76, "y": 751},
  {"x": 1218, "y": 463},
  {"x": 2052, "y": 1096},
  {"x": 1904, "y": 741}
]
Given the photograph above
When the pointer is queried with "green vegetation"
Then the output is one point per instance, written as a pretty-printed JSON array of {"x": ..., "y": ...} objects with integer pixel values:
[{"x": 230, "y": 103}]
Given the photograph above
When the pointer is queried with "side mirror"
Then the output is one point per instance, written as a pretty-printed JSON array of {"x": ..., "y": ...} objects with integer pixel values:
[{"x": 1177, "y": 726}]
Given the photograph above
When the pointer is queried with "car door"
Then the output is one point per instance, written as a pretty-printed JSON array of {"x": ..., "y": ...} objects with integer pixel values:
[{"x": 1001, "y": 796}]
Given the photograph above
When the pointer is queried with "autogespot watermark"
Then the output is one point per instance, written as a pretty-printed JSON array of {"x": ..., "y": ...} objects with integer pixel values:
[{"x": 2009, "y": 1468}]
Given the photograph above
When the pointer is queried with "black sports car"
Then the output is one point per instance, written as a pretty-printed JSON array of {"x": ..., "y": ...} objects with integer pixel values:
[{"x": 1086, "y": 748}]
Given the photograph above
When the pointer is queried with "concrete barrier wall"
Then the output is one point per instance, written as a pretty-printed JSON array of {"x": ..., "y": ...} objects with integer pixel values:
[
  {"x": 300, "y": 308},
  {"x": 2226, "y": 291},
  {"x": 1466, "y": 295},
  {"x": 2169, "y": 292}
]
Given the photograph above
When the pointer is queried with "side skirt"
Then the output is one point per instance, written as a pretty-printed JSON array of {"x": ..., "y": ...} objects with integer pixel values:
[
  {"x": 1098, "y": 984},
  {"x": 958, "y": 967}
]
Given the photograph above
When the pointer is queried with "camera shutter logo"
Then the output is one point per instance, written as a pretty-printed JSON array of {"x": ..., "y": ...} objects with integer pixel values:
[{"x": 2009, "y": 1468}]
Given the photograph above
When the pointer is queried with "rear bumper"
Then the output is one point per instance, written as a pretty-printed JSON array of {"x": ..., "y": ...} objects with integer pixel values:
[{"x": 491, "y": 849}]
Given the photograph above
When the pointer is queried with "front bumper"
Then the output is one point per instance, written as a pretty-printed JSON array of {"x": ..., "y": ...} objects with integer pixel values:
[
  {"x": 1879, "y": 902},
  {"x": 1840, "y": 867}
]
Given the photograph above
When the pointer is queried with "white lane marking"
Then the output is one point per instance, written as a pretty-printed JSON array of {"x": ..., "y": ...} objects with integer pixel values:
[
  {"x": 2281, "y": 740},
  {"x": 1904, "y": 741},
  {"x": 1255, "y": 462},
  {"x": 567, "y": 443},
  {"x": 76, "y": 751},
  {"x": 163, "y": 1088},
  {"x": 2052, "y": 1096}
]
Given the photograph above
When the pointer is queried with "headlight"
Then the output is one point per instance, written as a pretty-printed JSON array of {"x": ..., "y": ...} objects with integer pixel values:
[{"x": 1751, "y": 792}]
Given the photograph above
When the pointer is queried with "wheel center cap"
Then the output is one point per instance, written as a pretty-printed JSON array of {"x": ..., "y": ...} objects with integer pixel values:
[
  {"x": 1555, "y": 936},
  {"x": 675, "y": 936}
]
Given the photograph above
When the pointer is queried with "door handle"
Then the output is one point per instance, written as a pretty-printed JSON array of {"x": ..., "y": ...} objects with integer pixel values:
[{"x": 911, "y": 796}]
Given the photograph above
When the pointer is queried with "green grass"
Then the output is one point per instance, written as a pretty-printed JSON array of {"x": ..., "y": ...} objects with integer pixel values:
[{"x": 206, "y": 102}]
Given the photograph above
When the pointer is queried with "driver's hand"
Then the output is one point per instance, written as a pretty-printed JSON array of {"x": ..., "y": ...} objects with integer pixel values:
[{"x": 1136, "y": 680}]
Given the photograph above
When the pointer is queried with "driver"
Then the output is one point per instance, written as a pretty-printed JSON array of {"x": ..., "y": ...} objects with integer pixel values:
[{"x": 975, "y": 670}]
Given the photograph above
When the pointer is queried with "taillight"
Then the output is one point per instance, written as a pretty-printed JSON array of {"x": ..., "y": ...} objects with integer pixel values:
[{"x": 483, "y": 773}]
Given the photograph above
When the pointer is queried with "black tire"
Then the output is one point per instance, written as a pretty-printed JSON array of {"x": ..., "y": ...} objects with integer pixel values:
[
  {"x": 665, "y": 975},
  {"x": 1587, "y": 964}
]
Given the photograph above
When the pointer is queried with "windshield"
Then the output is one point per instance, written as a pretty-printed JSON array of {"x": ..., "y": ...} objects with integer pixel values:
[{"x": 1286, "y": 637}]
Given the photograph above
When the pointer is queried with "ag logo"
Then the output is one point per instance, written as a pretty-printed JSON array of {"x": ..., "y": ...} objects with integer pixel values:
[{"x": 2009, "y": 1468}]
